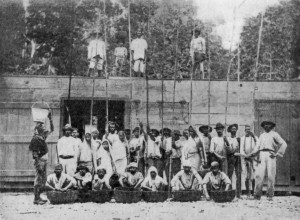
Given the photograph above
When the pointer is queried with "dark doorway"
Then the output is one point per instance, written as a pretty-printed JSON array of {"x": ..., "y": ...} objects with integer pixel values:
[{"x": 79, "y": 112}]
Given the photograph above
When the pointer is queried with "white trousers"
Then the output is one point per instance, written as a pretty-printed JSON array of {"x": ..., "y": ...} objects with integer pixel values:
[
  {"x": 266, "y": 166},
  {"x": 69, "y": 165}
]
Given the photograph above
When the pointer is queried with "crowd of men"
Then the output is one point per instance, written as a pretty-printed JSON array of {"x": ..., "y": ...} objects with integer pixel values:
[
  {"x": 138, "y": 50},
  {"x": 158, "y": 160}
]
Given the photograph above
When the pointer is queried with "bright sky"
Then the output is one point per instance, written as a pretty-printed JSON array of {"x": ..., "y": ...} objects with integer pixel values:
[{"x": 222, "y": 11}]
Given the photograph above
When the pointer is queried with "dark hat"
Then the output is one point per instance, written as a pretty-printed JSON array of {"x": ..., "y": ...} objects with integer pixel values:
[
  {"x": 231, "y": 126},
  {"x": 191, "y": 128},
  {"x": 219, "y": 125},
  {"x": 136, "y": 129},
  {"x": 67, "y": 127},
  {"x": 82, "y": 167},
  {"x": 127, "y": 130},
  {"x": 155, "y": 131},
  {"x": 201, "y": 128},
  {"x": 167, "y": 130},
  {"x": 177, "y": 132},
  {"x": 268, "y": 122}
]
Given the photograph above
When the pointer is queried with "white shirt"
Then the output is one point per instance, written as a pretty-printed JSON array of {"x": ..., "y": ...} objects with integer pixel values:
[
  {"x": 120, "y": 52},
  {"x": 105, "y": 158},
  {"x": 217, "y": 145},
  {"x": 197, "y": 45},
  {"x": 233, "y": 145},
  {"x": 153, "y": 149},
  {"x": 96, "y": 47},
  {"x": 139, "y": 46},
  {"x": 67, "y": 146},
  {"x": 58, "y": 183},
  {"x": 248, "y": 145},
  {"x": 118, "y": 150},
  {"x": 273, "y": 141},
  {"x": 138, "y": 143}
]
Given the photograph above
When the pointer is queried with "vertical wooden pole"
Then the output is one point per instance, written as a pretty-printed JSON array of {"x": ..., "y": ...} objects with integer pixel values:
[
  {"x": 209, "y": 82},
  {"x": 191, "y": 83},
  {"x": 130, "y": 60},
  {"x": 105, "y": 66}
]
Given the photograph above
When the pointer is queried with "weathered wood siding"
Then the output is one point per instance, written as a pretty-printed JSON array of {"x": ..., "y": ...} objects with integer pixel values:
[{"x": 18, "y": 93}]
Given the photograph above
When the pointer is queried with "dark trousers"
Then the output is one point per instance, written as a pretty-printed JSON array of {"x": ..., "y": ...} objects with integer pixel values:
[
  {"x": 209, "y": 159},
  {"x": 234, "y": 164},
  {"x": 141, "y": 165},
  {"x": 158, "y": 163},
  {"x": 175, "y": 167},
  {"x": 40, "y": 177}
]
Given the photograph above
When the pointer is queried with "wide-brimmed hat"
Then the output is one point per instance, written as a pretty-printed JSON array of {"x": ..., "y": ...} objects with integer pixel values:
[
  {"x": 268, "y": 122},
  {"x": 231, "y": 126},
  {"x": 136, "y": 129},
  {"x": 219, "y": 125},
  {"x": 203, "y": 127},
  {"x": 67, "y": 127},
  {"x": 167, "y": 130},
  {"x": 155, "y": 131},
  {"x": 176, "y": 132}
]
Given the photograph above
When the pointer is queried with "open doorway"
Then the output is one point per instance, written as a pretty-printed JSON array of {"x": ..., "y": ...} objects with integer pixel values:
[{"x": 79, "y": 112}]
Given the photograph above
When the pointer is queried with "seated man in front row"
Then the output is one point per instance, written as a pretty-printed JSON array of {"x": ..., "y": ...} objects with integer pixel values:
[
  {"x": 131, "y": 178},
  {"x": 153, "y": 182},
  {"x": 101, "y": 179},
  {"x": 215, "y": 180},
  {"x": 60, "y": 181},
  {"x": 83, "y": 178},
  {"x": 187, "y": 179}
]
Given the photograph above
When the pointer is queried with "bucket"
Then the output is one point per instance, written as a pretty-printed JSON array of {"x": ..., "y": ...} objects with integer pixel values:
[{"x": 40, "y": 111}]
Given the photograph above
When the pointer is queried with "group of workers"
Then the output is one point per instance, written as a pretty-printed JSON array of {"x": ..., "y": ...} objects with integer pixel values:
[
  {"x": 150, "y": 159},
  {"x": 138, "y": 50}
]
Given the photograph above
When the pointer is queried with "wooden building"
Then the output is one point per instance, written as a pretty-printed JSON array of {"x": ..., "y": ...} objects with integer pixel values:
[{"x": 277, "y": 101}]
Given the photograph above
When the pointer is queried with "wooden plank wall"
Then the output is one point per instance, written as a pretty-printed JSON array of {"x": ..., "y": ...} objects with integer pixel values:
[{"x": 18, "y": 93}]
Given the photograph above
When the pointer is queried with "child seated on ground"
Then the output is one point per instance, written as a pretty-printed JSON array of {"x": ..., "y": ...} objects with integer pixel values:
[
  {"x": 101, "y": 179},
  {"x": 215, "y": 180},
  {"x": 60, "y": 181},
  {"x": 83, "y": 178},
  {"x": 153, "y": 182},
  {"x": 131, "y": 178},
  {"x": 186, "y": 179}
]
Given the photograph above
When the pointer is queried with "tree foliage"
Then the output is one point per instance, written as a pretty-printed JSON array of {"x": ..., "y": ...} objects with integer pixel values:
[{"x": 276, "y": 58}]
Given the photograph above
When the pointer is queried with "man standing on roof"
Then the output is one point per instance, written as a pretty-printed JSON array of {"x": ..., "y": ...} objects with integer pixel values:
[
  {"x": 96, "y": 54},
  {"x": 198, "y": 51},
  {"x": 270, "y": 146},
  {"x": 39, "y": 150},
  {"x": 67, "y": 151},
  {"x": 138, "y": 49}
]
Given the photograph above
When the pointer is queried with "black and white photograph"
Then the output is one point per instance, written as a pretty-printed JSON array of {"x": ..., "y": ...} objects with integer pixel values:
[{"x": 149, "y": 109}]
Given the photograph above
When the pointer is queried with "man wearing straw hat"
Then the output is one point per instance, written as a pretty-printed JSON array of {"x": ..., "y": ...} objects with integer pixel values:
[
  {"x": 218, "y": 147},
  {"x": 206, "y": 130},
  {"x": 270, "y": 146},
  {"x": 234, "y": 162},
  {"x": 132, "y": 178},
  {"x": 67, "y": 151},
  {"x": 39, "y": 150}
]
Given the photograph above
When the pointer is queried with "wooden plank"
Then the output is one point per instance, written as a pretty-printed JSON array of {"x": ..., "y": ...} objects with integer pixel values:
[
  {"x": 295, "y": 142},
  {"x": 283, "y": 128}
]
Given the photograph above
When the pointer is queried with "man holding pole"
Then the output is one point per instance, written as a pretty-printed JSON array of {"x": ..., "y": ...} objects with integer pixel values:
[
  {"x": 206, "y": 130},
  {"x": 234, "y": 163},
  {"x": 39, "y": 150}
]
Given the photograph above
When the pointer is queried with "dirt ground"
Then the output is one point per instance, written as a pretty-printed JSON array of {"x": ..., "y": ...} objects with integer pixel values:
[{"x": 19, "y": 206}]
